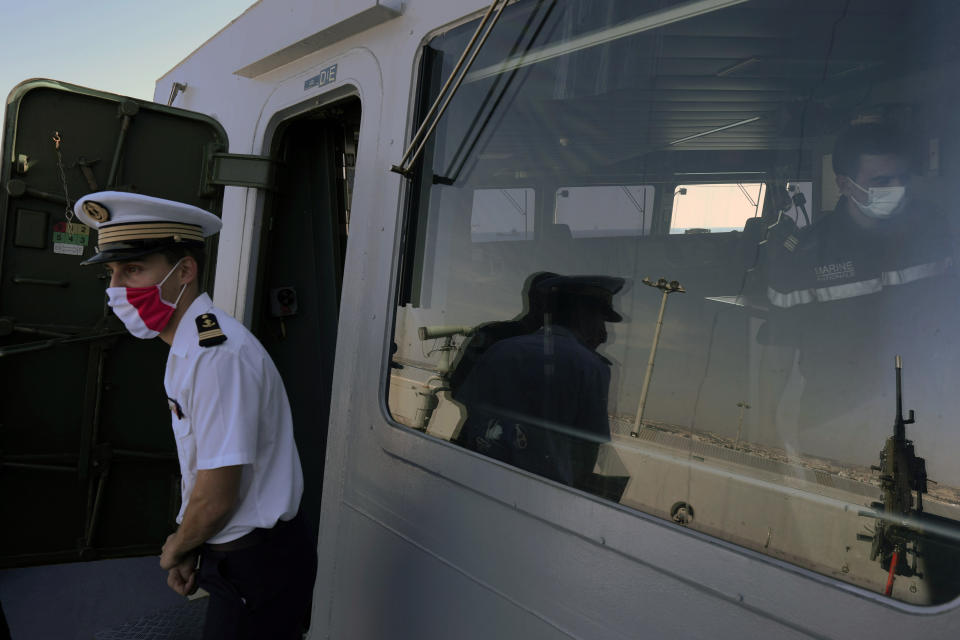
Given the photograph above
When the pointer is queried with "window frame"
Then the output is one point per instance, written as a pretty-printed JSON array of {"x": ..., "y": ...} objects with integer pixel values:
[{"x": 518, "y": 479}]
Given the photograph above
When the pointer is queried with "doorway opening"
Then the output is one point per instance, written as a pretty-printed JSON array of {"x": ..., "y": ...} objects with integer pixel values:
[{"x": 305, "y": 231}]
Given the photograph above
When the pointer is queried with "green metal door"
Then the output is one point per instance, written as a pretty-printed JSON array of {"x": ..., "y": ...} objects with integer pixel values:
[{"x": 88, "y": 463}]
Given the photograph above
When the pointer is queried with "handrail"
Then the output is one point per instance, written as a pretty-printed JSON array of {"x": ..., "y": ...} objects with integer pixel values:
[{"x": 42, "y": 345}]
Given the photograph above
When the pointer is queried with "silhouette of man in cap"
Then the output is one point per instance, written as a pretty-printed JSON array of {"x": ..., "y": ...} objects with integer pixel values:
[{"x": 539, "y": 401}]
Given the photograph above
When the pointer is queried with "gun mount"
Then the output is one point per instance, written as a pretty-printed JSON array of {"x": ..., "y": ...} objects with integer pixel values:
[
  {"x": 429, "y": 398},
  {"x": 902, "y": 473}
]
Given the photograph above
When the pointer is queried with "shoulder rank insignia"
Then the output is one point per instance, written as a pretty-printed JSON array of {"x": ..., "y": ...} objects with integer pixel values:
[{"x": 209, "y": 330}]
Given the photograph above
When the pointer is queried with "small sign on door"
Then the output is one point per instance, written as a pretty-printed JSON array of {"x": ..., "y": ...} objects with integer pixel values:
[
  {"x": 326, "y": 76},
  {"x": 69, "y": 238}
]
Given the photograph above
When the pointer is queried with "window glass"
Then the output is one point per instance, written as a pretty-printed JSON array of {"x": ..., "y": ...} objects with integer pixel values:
[
  {"x": 599, "y": 211},
  {"x": 768, "y": 418},
  {"x": 706, "y": 208},
  {"x": 502, "y": 214}
]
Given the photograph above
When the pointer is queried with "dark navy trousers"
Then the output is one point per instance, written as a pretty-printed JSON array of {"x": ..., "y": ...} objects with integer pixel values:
[{"x": 262, "y": 591}]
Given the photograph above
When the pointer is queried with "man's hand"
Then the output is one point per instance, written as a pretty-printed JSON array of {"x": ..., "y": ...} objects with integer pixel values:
[
  {"x": 183, "y": 577},
  {"x": 212, "y": 499},
  {"x": 171, "y": 556}
]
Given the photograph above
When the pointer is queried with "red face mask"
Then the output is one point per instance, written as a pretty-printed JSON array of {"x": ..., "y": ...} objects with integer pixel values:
[{"x": 142, "y": 309}]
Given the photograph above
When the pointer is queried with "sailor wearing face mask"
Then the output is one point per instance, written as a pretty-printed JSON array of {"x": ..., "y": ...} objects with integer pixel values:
[
  {"x": 864, "y": 282},
  {"x": 241, "y": 475},
  {"x": 876, "y": 237}
]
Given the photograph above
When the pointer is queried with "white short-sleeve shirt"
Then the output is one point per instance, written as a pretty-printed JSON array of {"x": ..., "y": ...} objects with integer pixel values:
[{"x": 229, "y": 407}]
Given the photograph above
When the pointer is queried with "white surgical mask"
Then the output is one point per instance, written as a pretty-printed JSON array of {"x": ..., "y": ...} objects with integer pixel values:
[{"x": 881, "y": 201}]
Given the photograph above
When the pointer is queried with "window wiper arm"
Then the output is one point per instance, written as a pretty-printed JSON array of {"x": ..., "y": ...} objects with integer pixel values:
[{"x": 449, "y": 89}]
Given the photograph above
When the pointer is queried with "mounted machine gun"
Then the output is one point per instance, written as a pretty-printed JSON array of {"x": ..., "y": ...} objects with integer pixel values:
[{"x": 897, "y": 532}]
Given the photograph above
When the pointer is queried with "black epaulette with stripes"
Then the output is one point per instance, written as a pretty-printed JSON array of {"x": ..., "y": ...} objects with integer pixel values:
[{"x": 209, "y": 329}]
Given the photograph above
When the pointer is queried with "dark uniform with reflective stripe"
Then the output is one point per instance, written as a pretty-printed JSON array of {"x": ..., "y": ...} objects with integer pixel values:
[{"x": 849, "y": 299}]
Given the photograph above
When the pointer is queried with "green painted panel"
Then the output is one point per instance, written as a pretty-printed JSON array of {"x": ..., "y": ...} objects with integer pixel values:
[{"x": 87, "y": 459}]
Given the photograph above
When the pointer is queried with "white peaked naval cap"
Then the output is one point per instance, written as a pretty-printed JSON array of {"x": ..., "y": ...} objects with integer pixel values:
[{"x": 131, "y": 225}]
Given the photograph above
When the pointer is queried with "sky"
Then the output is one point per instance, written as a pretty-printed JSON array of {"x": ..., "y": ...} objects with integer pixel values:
[{"x": 119, "y": 46}]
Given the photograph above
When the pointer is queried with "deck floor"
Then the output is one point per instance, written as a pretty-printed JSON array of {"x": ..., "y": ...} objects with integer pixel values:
[{"x": 180, "y": 622}]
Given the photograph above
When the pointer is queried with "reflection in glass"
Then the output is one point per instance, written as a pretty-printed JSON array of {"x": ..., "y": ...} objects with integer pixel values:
[
  {"x": 538, "y": 400},
  {"x": 501, "y": 214},
  {"x": 595, "y": 212},
  {"x": 815, "y": 240}
]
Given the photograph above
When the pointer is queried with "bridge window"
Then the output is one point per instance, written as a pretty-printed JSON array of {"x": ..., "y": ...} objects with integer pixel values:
[
  {"x": 759, "y": 199},
  {"x": 715, "y": 208},
  {"x": 502, "y": 214},
  {"x": 605, "y": 210}
]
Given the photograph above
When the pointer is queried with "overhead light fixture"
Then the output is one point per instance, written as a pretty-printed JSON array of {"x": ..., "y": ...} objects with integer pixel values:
[
  {"x": 648, "y": 22},
  {"x": 723, "y": 128}
]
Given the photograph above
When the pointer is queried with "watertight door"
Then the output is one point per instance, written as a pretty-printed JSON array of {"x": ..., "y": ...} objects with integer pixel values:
[{"x": 88, "y": 463}]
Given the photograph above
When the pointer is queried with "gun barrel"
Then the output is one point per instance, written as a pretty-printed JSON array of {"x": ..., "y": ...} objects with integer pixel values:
[
  {"x": 899, "y": 430},
  {"x": 443, "y": 331}
]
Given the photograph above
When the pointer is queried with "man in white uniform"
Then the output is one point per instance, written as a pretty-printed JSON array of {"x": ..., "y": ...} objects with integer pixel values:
[{"x": 239, "y": 534}]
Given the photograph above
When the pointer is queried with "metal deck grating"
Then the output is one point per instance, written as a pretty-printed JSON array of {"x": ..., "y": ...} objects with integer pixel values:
[{"x": 182, "y": 622}]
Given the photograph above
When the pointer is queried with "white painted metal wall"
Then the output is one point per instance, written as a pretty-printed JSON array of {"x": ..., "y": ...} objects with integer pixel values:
[{"x": 421, "y": 539}]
